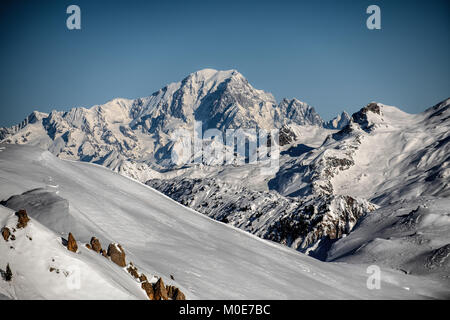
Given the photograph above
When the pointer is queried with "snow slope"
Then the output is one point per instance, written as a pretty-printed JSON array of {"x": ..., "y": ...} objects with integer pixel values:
[
  {"x": 412, "y": 236},
  {"x": 208, "y": 259},
  {"x": 36, "y": 250},
  {"x": 402, "y": 157}
]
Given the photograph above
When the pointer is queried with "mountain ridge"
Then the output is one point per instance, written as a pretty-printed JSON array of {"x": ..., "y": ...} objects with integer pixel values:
[{"x": 140, "y": 129}]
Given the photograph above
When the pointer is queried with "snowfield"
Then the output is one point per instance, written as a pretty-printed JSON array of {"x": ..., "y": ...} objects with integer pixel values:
[
  {"x": 411, "y": 236},
  {"x": 208, "y": 259}
]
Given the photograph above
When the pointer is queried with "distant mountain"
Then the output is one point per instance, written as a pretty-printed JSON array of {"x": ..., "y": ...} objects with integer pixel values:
[
  {"x": 338, "y": 122},
  {"x": 131, "y": 136}
]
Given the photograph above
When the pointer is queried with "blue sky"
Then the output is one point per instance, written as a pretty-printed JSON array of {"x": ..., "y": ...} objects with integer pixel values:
[{"x": 317, "y": 51}]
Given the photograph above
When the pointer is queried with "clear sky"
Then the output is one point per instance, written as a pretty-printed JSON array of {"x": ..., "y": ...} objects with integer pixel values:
[{"x": 317, "y": 51}]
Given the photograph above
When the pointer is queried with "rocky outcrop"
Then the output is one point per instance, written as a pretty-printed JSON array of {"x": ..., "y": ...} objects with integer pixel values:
[
  {"x": 174, "y": 293},
  {"x": 143, "y": 278},
  {"x": 156, "y": 291},
  {"x": 22, "y": 219},
  {"x": 160, "y": 290},
  {"x": 286, "y": 136},
  {"x": 7, "y": 275},
  {"x": 95, "y": 245},
  {"x": 359, "y": 120},
  {"x": 6, "y": 233},
  {"x": 148, "y": 288},
  {"x": 72, "y": 243},
  {"x": 133, "y": 271},
  {"x": 117, "y": 254}
]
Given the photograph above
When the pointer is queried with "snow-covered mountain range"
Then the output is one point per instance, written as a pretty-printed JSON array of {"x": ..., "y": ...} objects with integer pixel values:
[
  {"x": 132, "y": 136},
  {"x": 325, "y": 184},
  {"x": 335, "y": 180}
]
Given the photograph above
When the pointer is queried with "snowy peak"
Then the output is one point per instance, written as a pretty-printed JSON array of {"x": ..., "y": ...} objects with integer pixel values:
[
  {"x": 220, "y": 99},
  {"x": 35, "y": 116},
  {"x": 368, "y": 116},
  {"x": 339, "y": 122},
  {"x": 124, "y": 132},
  {"x": 213, "y": 76},
  {"x": 298, "y": 112},
  {"x": 374, "y": 115}
]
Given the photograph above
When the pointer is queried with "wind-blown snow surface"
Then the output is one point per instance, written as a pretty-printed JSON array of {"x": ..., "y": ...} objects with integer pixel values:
[
  {"x": 412, "y": 236},
  {"x": 208, "y": 259}
]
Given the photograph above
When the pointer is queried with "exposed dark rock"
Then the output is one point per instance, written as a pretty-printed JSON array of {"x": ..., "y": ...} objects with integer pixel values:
[
  {"x": 5, "y": 233},
  {"x": 117, "y": 254},
  {"x": 7, "y": 275},
  {"x": 51, "y": 269},
  {"x": 286, "y": 136},
  {"x": 95, "y": 245},
  {"x": 160, "y": 290},
  {"x": 71, "y": 243},
  {"x": 133, "y": 271},
  {"x": 174, "y": 293},
  {"x": 148, "y": 288},
  {"x": 179, "y": 295},
  {"x": 22, "y": 218},
  {"x": 142, "y": 278},
  {"x": 360, "y": 117},
  {"x": 372, "y": 107}
]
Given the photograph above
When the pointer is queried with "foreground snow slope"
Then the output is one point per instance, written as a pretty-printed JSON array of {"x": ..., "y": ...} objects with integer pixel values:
[
  {"x": 44, "y": 269},
  {"x": 208, "y": 259},
  {"x": 412, "y": 236}
]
